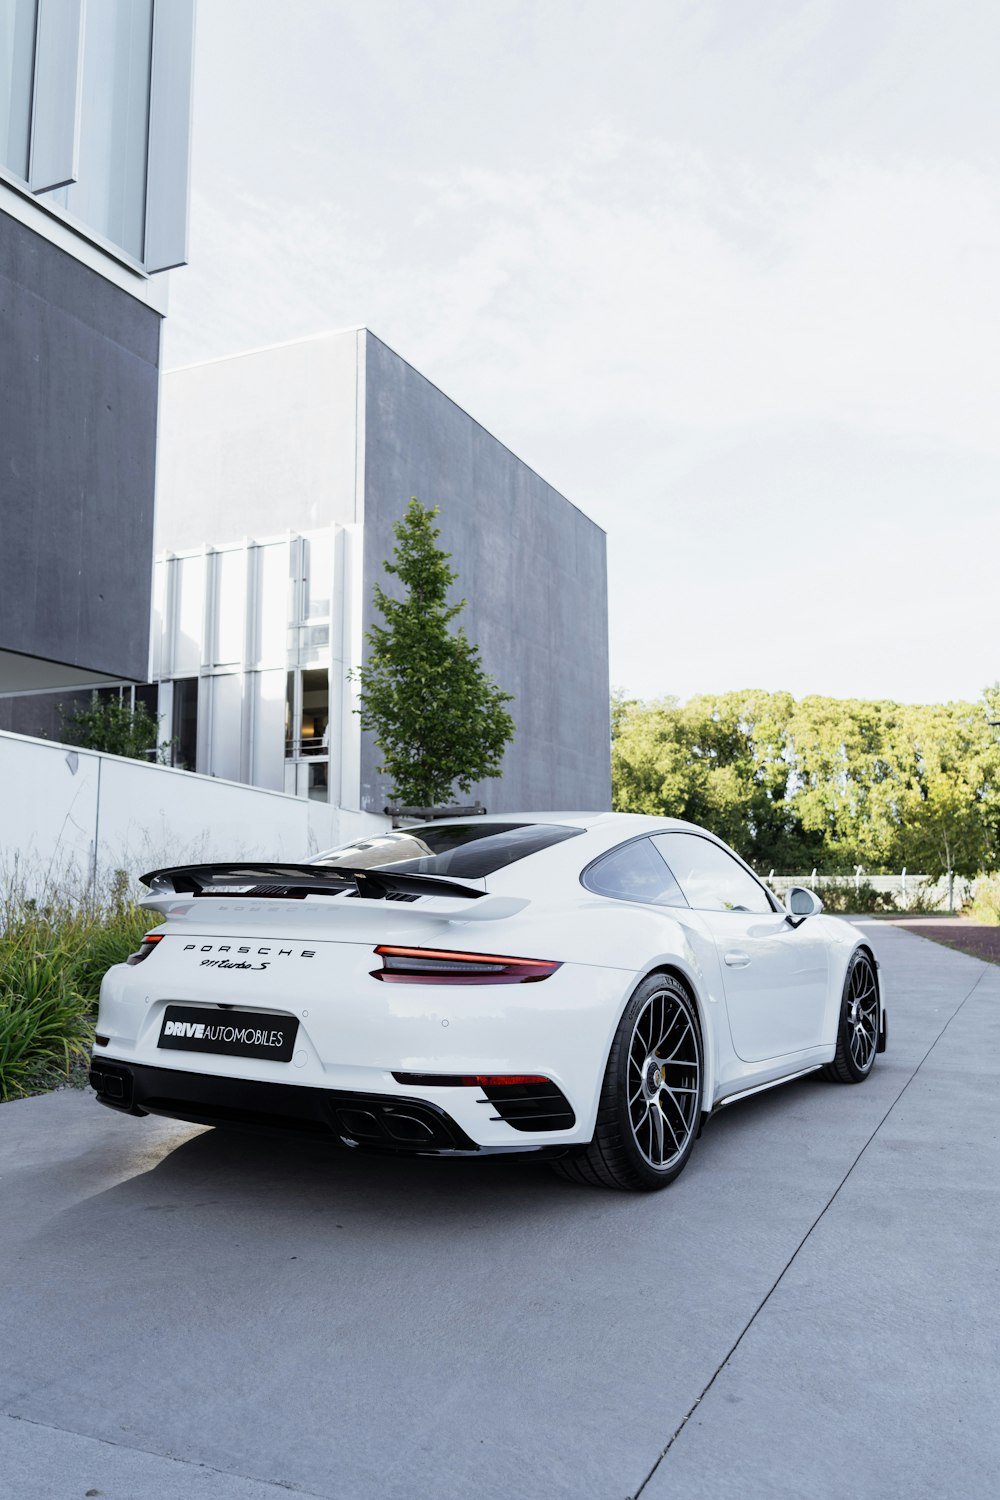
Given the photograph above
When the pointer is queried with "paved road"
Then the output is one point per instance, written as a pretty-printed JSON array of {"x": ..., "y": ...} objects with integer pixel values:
[{"x": 812, "y": 1309}]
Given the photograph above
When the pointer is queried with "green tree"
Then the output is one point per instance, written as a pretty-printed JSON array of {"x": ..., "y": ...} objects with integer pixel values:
[
  {"x": 437, "y": 717},
  {"x": 949, "y": 819},
  {"x": 720, "y": 761},
  {"x": 852, "y": 763},
  {"x": 824, "y": 782},
  {"x": 116, "y": 727}
]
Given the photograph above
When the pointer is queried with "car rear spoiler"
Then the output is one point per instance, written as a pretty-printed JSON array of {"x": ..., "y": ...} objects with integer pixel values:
[{"x": 296, "y": 881}]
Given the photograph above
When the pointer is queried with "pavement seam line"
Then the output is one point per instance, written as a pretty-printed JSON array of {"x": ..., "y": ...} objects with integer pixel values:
[
  {"x": 183, "y": 1463},
  {"x": 800, "y": 1246}
]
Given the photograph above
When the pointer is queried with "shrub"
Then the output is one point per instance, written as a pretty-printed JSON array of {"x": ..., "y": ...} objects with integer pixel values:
[
  {"x": 984, "y": 903},
  {"x": 116, "y": 727},
  {"x": 42, "y": 1014},
  {"x": 846, "y": 896},
  {"x": 52, "y": 960},
  {"x": 923, "y": 901}
]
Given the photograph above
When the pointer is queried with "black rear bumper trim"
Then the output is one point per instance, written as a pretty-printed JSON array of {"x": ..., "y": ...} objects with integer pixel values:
[{"x": 378, "y": 1122}]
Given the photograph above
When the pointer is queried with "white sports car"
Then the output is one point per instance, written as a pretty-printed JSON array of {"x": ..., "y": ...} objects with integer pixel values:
[{"x": 587, "y": 987}]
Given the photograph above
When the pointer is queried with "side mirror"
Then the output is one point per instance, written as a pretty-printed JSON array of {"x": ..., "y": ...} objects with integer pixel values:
[{"x": 801, "y": 903}]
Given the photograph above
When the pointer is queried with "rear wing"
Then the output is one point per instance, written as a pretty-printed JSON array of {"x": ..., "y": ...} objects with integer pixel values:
[{"x": 296, "y": 881}]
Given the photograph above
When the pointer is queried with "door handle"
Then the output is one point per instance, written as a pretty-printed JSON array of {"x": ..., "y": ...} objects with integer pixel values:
[{"x": 737, "y": 960}]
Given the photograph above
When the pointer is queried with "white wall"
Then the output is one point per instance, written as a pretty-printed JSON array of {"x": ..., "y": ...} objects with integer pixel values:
[
  {"x": 70, "y": 818},
  {"x": 255, "y": 443}
]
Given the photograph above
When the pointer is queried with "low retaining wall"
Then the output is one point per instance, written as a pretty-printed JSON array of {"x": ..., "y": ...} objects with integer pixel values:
[{"x": 69, "y": 819}]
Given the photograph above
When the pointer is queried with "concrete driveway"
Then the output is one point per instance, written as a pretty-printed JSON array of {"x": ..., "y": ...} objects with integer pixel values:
[{"x": 812, "y": 1310}]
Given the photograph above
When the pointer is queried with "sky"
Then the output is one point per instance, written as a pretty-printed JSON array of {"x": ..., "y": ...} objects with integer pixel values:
[{"x": 726, "y": 273}]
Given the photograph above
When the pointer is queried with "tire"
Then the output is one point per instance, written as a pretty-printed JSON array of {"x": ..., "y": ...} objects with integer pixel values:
[
  {"x": 859, "y": 1023},
  {"x": 650, "y": 1105}
]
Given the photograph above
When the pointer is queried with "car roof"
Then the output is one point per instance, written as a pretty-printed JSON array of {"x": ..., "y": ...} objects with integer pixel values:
[{"x": 628, "y": 823}]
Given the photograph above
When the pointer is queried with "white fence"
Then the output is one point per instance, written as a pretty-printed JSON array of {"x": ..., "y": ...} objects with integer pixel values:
[
  {"x": 70, "y": 818},
  {"x": 905, "y": 890}
]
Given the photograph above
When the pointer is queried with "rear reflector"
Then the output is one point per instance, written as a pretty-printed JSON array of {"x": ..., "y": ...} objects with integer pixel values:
[
  {"x": 146, "y": 947},
  {"x": 468, "y": 1080},
  {"x": 437, "y": 966}
]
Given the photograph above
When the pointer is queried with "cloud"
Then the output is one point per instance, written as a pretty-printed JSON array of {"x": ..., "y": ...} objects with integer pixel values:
[
  {"x": 787, "y": 373},
  {"x": 643, "y": 283}
]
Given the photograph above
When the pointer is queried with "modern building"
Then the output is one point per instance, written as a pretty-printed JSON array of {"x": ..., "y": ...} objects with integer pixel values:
[
  {"x": 94, "y": 144},
  {"x": 282, "y": 474},
  {"x": 249, "y": 662}
]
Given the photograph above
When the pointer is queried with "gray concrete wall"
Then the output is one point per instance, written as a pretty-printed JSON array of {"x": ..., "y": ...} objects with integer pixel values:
[
  {"x": 78, "y": 405},
  {"x": 532, "y": 567}
]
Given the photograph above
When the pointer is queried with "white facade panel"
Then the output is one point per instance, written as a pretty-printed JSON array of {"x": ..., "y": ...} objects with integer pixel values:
[
  {"x": 225, "y": 704},
  {"x": 18, "y": 28},
  {"x": 109, "y": 188},
  {"x": 58, "y": 93},
  {"x": 157, "y": 666},
  {"x": 268, "y": 728},
  {"x": 230, "y": 606},
  {"x": 185, "y": 656},
  {"x": 95, "y": 124},
  {"x": 270, "y": 438},
  {"x": 272, "y": 589},
  {"x": 345, "y": 657},
  {"x": 170, "y": 98}
]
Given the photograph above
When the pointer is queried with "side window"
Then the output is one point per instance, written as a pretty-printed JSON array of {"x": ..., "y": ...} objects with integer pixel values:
[
  {"x": 634, "y": 872},
  {"x": 710, "y": 878}
]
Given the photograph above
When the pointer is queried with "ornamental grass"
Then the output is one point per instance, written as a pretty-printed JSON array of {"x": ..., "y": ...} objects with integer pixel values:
[{"x": 54, "y": 951}]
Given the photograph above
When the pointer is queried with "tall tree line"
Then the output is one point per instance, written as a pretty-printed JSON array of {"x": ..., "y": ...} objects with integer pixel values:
[{"x": 824, "y": 783}]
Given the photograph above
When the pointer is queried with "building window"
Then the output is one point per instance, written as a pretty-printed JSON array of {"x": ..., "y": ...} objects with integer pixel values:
[
  {"x": 291, "y": 714},
  {"x": 307, "y": 714},
  {"x": 315, "y": 712},
  {"x": 148, "y": 694},
  {"x": 318, "y": 789},
  {"x": 185, "y": 727},
  {"x": 307, "y": 733},
  {"x": 17, "y": 60}
]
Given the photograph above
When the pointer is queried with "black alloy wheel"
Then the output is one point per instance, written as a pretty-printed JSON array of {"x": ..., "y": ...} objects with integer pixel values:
[
  {"x": 650, "y": 1105},
  {"x": 858, "y": 1028}
]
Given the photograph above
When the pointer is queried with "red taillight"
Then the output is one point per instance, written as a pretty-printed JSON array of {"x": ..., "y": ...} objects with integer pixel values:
[
  {"x": 146, "y": 947},
  {"x": 437, "y": 966}
]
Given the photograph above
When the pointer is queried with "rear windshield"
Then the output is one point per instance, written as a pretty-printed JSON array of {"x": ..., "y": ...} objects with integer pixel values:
[{"x": 456, "y": 849}]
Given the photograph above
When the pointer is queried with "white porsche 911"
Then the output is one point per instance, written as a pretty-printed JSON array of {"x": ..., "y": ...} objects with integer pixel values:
[{"x": 587, "y": 987}]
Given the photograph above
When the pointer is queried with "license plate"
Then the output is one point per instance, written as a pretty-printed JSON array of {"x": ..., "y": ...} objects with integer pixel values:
[{"x": 233, "y": 1033}]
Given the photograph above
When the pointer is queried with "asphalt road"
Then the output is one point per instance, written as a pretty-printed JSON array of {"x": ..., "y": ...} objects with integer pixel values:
[{"x": 812, "y": 1310}]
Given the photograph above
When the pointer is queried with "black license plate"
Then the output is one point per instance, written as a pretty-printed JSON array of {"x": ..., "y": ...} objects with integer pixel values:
[{"x": 233, "y": 1033}]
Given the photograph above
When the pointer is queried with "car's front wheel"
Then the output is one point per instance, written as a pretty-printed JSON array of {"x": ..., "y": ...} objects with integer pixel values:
[
  {"x": 858, "y": 1027},
  {"x": 650, "y": 1102}
]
